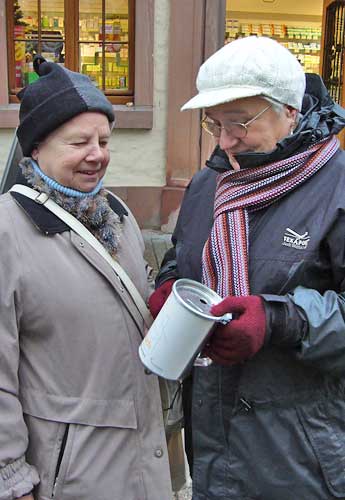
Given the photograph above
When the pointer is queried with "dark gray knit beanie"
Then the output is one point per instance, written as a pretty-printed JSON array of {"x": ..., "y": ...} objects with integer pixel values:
[{"x": 56, "y": 97}]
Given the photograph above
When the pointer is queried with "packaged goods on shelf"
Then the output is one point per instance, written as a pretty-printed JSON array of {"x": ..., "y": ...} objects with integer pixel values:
[{"x": 300, "y": 40}]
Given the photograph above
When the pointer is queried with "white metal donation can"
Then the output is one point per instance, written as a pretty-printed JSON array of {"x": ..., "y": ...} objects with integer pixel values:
[{"x": 180, "y": 330}]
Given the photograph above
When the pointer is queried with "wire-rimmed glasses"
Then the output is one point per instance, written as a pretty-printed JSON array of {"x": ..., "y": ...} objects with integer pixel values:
[{"x": 235, "y": 129}]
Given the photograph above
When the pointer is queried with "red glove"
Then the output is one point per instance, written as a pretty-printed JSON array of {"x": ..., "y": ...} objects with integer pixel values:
[
  {"x": 159, "y": 296},
  {"x": 243, "y": 336}
]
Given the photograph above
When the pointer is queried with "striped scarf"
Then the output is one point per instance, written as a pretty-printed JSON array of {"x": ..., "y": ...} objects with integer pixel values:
[{"x": 225, "y": 254}]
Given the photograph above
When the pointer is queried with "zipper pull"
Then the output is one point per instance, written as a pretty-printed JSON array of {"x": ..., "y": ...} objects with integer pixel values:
[
  {"x": 246, "y": 404},
  {"x": 54, "y": 487}
]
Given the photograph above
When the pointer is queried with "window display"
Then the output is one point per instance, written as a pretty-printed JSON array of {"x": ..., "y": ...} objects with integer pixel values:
[
  {"x": 32, "y": 37},
  {"x": 105, "y": 62},
  {"x": 302, "y": 40},
  {"x": 99, "y": 43}
]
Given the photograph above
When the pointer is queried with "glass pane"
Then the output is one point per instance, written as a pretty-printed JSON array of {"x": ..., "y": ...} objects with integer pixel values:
[
  {"x": 25, "y": 18},
  {"x": 90, "y": 20},
  {"x": 116, "y": 54},
  {"x": 52, "y": 30},
  {"x": 90, "y": 62},
  {"x": 116, "y": 66},
  {"x": 24, "y": 70},
  {"x": 110, "y": 43},
  {"x": 116, "y": 20},
  {"x": 52, "y": 18},
  {"x": 51, "y": 44}
]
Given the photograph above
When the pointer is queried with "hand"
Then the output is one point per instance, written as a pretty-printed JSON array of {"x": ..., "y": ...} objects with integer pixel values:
[
  {"x": 26, "y": 497},
  {"x": 159, "y": 297},
  {"x": 243, "y": 336}
]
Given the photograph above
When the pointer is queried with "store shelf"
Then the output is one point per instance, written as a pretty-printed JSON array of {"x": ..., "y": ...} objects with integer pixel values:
[{"x": 303, "y": 41}]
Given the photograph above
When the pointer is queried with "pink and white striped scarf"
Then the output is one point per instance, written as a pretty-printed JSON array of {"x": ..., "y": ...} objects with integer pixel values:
[{"x": 225, "y": 254}]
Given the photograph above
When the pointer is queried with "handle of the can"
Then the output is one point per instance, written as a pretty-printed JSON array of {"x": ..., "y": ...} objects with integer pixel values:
[{"x": 225, "y": 319}]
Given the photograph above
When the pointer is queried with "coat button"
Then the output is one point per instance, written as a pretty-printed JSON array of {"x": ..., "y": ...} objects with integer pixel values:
[
  {"x": 158, "y": 452},
  {"x": 81, "y": 244},
  {"x": 199, "y": 402}
]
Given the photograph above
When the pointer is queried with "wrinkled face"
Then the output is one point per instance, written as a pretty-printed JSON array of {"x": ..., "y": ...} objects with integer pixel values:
[
  {"x": 262, "y": 134},
  {"x": 76, "y": 154}
]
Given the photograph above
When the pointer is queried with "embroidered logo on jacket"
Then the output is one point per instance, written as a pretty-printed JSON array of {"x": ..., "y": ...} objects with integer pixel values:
[{"x": 295, "y": 240}]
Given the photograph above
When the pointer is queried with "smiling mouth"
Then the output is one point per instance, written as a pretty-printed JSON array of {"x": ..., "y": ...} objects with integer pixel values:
[{"x": 89, "y": 172}]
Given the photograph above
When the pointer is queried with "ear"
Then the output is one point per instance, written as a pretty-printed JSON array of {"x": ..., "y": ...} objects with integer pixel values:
[
  {"x": 291, "y": 113},
  {"x": 34, "y": 153}
]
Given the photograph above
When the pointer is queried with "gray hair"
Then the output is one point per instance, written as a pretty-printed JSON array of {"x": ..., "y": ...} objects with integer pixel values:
[
  {"x": 276, "y": 105},
  {"x": 279, "y": 106}
]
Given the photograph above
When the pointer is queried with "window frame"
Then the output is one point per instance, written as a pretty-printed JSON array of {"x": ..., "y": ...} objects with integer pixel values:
[{"x": 135, "y": 115}]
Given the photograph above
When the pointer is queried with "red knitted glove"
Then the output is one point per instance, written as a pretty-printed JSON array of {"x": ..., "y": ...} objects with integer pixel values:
[
  {"x": 159, "y": 296},
  {"x": 243, "y": 336}
]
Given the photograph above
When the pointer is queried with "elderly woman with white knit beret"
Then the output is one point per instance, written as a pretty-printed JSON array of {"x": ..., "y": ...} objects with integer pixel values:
[{"x": 264, "y": 226}]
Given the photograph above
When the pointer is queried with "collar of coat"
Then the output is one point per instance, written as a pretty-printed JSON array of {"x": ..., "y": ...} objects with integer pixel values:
[{"x": 48, "y": 222}]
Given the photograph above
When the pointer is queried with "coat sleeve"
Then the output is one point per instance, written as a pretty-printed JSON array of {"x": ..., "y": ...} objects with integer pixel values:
[
  {"x": 168, "y": 269},
  {"x": 17, "y": 477},
  {"x": 311, "y": 321}
]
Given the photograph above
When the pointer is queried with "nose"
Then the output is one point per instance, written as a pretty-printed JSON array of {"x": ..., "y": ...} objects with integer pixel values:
[
  {"x": 226, "y": 140},
  {"x": 96, "y": 154}
]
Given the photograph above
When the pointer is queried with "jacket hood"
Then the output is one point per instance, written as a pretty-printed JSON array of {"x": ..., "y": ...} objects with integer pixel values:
[{"x": 320, "y": 118}]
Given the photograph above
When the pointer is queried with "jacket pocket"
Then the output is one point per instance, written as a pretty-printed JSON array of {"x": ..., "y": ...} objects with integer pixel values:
[
  {"x": 324, "y": 425},
  {"x": 84, "y": 411},
  {"x": 66, "y": 433}
]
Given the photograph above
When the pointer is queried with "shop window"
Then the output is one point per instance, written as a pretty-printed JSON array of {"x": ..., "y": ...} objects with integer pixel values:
[{"x": 94, "y": 37}]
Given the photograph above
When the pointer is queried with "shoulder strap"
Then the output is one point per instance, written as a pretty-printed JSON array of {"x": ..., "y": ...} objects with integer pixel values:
[{"x": 79, "y": 228}]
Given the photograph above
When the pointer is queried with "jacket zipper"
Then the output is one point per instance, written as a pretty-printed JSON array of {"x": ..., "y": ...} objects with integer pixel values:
[
  {"x": 242, "y": 405},
  {"x": 59, "y": 460}
]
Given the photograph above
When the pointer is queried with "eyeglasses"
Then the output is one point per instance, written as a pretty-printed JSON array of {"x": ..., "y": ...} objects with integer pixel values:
[{"x": 236, "y": 129}]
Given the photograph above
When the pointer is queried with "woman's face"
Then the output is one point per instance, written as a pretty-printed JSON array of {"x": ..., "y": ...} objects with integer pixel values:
[
  {"x": 262, "y": 134},
  {"x": 76, "y": 154}
]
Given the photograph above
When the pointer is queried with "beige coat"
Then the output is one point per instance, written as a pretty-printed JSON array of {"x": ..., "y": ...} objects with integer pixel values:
[{"x": 75, "y": 401}]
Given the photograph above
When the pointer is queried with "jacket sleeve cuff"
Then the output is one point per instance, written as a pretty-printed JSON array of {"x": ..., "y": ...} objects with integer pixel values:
[
  {"x": 286, "y": 325},
  {"x": 168, "y": 269},
  {"x": 16, "y": 479}
]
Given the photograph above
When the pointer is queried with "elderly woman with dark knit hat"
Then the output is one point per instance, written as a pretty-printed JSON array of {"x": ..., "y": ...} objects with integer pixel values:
[
  {"x": 79, "y": 418},
  {"x": 264, "y": 226}
]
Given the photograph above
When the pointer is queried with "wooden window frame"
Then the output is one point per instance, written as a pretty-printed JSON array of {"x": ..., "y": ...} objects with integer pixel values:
[{"x": 136, "y": 114}]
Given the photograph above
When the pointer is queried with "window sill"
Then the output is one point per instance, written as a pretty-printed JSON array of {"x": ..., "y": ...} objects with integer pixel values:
[{"x": 134, "y": 117}]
